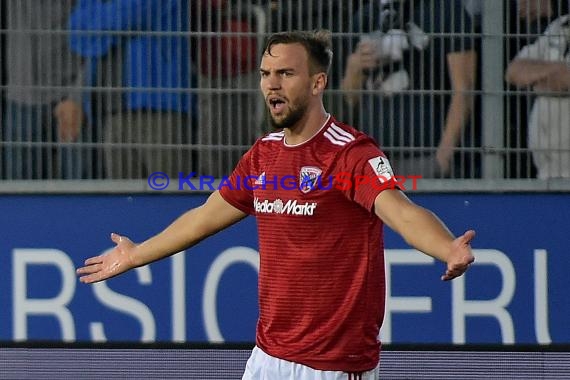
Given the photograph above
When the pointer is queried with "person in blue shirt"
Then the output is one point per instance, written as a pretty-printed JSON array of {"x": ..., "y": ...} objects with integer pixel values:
[{"x": 139, "y": 76}]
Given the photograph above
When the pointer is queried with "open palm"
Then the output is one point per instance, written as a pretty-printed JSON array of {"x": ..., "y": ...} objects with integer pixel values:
[{"x": 110, "y": 264}]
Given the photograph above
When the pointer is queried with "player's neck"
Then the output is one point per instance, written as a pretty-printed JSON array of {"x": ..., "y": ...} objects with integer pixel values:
[{"x": 307, "y": 127}]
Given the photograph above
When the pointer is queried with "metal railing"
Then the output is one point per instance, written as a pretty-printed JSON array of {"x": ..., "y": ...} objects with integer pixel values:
[{"x": 97, "y": 99}]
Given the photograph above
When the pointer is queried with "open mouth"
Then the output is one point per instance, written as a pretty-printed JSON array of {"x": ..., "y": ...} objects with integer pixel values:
[{"x": 276, "y": 104}]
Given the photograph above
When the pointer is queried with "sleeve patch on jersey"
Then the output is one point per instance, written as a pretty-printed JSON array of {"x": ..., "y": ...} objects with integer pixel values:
[{"x": 381, "y": 166}]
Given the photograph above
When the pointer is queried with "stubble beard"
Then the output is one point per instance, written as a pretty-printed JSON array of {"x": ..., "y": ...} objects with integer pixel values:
[{"x": 295, "y": 114}]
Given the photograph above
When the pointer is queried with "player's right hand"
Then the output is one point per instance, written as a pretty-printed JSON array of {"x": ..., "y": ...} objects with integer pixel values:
[{"x": 110, "y": 264}]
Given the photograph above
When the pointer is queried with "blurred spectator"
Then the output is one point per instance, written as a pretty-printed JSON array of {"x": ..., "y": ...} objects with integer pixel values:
[
  {"x": 533, "y": 10},
  {"x": 230, "y": 108},
  {"x": 139, "y": 63},
  {"x": 526, "y": 21},
  {"x": 418, "y": 69},
  {"x": 43, "y": 107},
  {"x": 544, "y": 66}
]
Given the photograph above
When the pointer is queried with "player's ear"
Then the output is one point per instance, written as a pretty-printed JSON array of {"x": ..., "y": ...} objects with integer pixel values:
[{"x": 319, "y": 83}]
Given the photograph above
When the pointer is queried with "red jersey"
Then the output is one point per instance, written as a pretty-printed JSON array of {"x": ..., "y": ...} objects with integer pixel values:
[{"x": 321, "y": 277}]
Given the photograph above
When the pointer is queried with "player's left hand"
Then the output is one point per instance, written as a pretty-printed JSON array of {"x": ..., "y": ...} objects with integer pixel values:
[{"x": 460, "y": 257}]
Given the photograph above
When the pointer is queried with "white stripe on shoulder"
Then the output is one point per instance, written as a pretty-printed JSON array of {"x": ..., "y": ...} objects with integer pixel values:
[
  {"x": 272, "y": 138},
  {"x": 333, "y": 139},
  {"x": 341, "y": 131},
  {"x": 338, "y": 136},
  {"x": 275, "y": 136}
]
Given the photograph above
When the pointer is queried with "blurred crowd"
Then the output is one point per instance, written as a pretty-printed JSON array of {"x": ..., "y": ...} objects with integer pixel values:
[{"x": 119, "y": 89}]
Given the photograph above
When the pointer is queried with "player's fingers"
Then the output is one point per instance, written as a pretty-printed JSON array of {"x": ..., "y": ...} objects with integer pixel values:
[
  {"x": 94, "y": 260},
  {"x": 459, "y": 267},
  {"x": 116, "y": 238},
  {"x": 467, "y": 237},
  {"x": 89, "y": 269},
  {"x": 89, "y": 279},
  {"x": 450, "y": 275},
  {"x": 455, "y": 270},
  {"x": 121, "y": 240}
]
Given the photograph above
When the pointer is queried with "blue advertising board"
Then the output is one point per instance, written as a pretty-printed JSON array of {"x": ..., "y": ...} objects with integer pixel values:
[{"x": 515, "y": 293}]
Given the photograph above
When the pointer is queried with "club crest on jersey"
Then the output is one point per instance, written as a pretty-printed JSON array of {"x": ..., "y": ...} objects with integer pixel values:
[{"x": 308, "y": 178}]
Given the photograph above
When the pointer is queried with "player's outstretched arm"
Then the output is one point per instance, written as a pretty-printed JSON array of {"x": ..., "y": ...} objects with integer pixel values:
[
  {"x": 189, "y": 229},
  {"x": 425, "y": 232}
]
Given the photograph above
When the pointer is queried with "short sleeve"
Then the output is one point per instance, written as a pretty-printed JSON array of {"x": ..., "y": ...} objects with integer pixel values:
[
  {"x": 459, "y": 25},
  {"x": 363, "y": 172},
  {"x": 538, "y": 50},
  {"x": 552, "y": 46},
  {"x": 237, "y": 189}
]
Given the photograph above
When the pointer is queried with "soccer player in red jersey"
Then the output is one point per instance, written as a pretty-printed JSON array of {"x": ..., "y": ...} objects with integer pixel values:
[{"x": 321, "y": 277}]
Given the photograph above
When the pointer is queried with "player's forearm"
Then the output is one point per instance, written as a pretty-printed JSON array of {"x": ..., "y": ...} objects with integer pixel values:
[
  {"x": 434, "y": 239},
  {"x": 183, "y": 233},
  {"x": 189, "y": 229}
]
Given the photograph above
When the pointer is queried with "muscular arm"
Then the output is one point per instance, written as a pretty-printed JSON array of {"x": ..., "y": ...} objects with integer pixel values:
[
  {"x": 189, "y": 229},
  {"x": 424, "y": 231}
]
